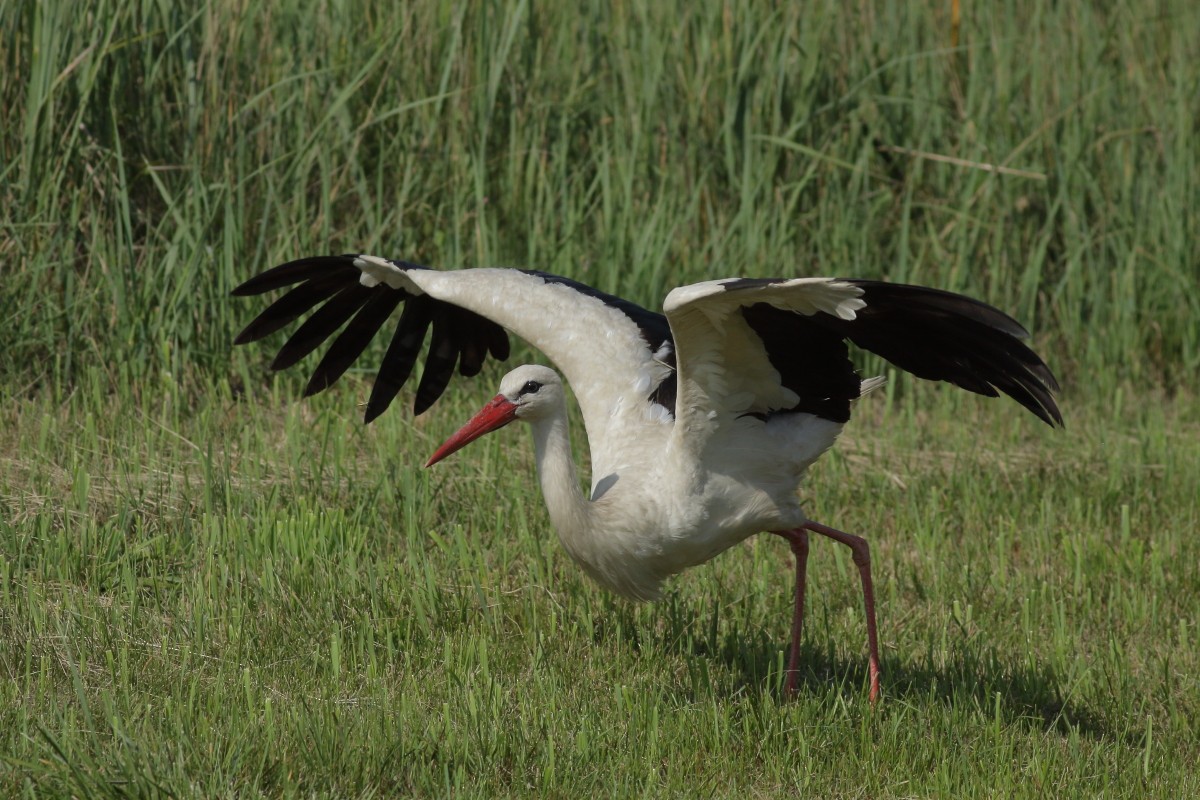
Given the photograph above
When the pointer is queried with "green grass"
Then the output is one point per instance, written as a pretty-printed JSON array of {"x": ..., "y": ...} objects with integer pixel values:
[
  {"x": 208, "y": 589},
  {"x": 235, "y": 597}
]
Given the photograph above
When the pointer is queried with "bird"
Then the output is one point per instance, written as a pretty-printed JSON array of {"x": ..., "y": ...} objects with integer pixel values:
[{"x": 701, "y": 420}]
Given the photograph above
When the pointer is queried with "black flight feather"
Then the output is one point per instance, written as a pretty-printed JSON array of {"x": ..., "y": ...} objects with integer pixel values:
[
  {"x": 947, "y": 337},
  {"x": 439, "y": 363},
  {"x": 327, "y": 319},
  {"x": 296, "y": 271},
  {"x": 287, "y": 308},
  {"x": 353, "y": 340},
  {"x": 401, "y": 355}
]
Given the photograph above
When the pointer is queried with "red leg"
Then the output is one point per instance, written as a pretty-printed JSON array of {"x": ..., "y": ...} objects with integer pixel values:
[
  {"x": 798, "y": 539},
  {"x": 862, "y": 559}
]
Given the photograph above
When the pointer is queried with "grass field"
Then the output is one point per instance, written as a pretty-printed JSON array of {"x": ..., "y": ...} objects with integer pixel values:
[{"x": 209, "y": 589}]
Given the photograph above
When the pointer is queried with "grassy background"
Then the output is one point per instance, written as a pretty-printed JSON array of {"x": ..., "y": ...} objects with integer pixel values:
[{"x": 207, "y": 589}]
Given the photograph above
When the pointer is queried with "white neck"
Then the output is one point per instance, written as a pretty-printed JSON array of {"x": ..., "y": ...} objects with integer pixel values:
[
  {"x": 569, "y": 508},
  {"x": 613, "y": 554}
]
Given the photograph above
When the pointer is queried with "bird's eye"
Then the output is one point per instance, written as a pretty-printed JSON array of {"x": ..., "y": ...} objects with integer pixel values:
[{"x": 530, "y": 387}]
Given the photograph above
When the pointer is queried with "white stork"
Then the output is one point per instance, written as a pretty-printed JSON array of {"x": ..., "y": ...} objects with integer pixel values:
[{"x": 701, "y": 421}]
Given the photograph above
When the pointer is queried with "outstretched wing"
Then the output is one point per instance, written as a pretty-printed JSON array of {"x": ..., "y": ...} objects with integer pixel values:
[
  {"x": 763, "y": 346},
  {"x": 347, "y": 294},
  {"x": 605, "y": 346}
]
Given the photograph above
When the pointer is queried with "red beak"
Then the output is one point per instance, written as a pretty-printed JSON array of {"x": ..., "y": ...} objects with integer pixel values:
[{"x": 492, "y": 417}]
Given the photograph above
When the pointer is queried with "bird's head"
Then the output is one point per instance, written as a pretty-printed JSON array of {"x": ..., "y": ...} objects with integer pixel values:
[{"x": 529, "y": 393}]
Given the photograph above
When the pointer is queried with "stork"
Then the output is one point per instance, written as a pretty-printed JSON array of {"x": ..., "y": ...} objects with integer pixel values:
[{"x": 701, "y": 421}]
